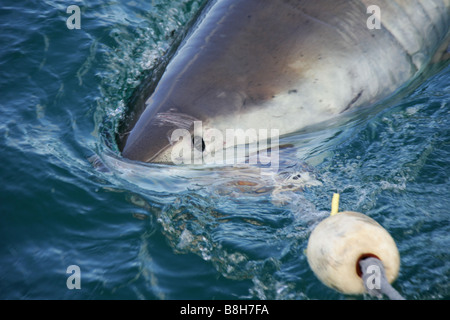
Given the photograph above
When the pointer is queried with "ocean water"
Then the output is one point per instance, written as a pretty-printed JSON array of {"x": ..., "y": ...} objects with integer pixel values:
[{"x": 161, "y": 232}]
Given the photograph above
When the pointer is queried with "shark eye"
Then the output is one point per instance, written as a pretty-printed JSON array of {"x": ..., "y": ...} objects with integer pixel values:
[{"x": 198, "y": 143}]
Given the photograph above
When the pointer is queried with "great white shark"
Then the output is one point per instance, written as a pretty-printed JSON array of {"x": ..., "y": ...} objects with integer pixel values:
[{"x": 284, "y": 65}]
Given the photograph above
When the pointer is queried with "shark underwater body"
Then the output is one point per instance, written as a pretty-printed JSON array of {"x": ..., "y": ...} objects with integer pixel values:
[{"x": 281, "y": 65}]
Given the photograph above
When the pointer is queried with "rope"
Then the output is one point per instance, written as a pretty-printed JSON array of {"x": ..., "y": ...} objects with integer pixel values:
[{"x": 375, "y": 281}]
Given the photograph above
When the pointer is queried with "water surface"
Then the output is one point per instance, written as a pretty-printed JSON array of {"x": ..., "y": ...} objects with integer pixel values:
[{"x": 160, "y": 232}]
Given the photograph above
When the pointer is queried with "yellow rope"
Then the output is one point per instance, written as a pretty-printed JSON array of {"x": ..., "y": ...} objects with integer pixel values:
[{"x": 335, "y": 204}]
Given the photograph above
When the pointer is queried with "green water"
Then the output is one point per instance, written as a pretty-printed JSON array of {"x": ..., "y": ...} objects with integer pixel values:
[{"x": 157, "y": 232}]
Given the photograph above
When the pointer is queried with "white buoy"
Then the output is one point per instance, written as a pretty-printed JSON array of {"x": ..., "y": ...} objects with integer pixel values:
[{"x": 339, "y": 242}]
